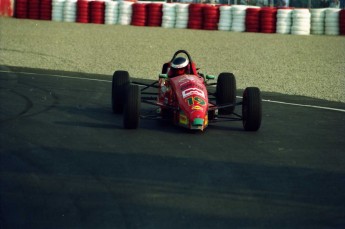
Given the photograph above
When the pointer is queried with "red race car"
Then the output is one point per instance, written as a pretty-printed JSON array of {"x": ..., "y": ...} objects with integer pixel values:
[{"x": 186, "y": 97}]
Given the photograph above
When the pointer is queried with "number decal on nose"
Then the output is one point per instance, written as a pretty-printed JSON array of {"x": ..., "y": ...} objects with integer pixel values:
[{"x": 195, "y": 101}]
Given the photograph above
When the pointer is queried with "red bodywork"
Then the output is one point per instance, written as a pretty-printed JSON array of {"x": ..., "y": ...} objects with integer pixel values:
[{"x": 186, "y": 97}]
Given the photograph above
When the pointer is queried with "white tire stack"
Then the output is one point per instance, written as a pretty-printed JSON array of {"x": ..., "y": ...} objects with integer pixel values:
[
  {"x": 238, "y": 13},
  {"x": 317, "y": 21},
  {"x": 57, "y": 10},
  {"x": 225, "y": 19},
  {"x": 182, "y": 14},
  {"x": 284, "y": 21},
  {"x": 332, "y": 21},
  {"x": 300, "y": 22},
  {"x": 125, "y": 13},
  {"x": 70, "y": 11},
  {"x": 169, "y": 15},
  {"x": 111, "y": 13}
]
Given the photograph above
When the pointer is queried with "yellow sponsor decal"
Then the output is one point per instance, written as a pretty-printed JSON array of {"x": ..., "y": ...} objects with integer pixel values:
[
  {"x": 196, "y": 108},
  {"x": 183, "y": 119}
]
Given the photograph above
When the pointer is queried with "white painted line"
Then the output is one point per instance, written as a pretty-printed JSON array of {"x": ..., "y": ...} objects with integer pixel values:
[
  {"x": 79, "y": 78},
  {"x": 109, "y": 81},
  {"x": 303, "y": 105},
  {"x": 60, "y": 76}
]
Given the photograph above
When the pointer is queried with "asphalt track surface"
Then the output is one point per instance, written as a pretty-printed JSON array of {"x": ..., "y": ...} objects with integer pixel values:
[{"x": 66, "y": 162}]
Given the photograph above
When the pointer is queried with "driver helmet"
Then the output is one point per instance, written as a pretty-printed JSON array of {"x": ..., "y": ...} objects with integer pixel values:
[{"x": 179, "y": 66}]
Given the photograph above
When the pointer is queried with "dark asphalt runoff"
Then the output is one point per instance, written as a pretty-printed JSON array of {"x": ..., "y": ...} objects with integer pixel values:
[{"x": 67, "y": 162}]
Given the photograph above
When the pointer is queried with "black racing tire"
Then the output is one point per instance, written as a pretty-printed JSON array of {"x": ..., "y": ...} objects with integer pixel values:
[
  {"x": 120, "y": 85},
  {"x": 251, "y": 109},
  {"x": 131, "y": 110},
  {"x": 226, "y": 92}
]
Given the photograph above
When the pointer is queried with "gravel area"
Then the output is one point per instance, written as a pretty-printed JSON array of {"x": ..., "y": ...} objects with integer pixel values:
[{"x": 312, "y": 66}]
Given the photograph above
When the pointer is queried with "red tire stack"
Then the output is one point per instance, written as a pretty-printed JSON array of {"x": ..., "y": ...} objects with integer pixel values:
[
  {"x": 211, "y": 17},
  {"x": 195, "y": 18},
  {"x": 97, "y": 12},
  {"x": 139, "y": 13},
  {"x": 253, "y": 20},
  {"x": 83, "y": 11},
  {"x": 342, "y": 22},
  {"x": 155, "y": 14},
  {"x": 46, "y": 10},
  {"x": 21, "y": 9},
  {"x": 268, "y": 20},
  {"x": 34, "y": 9}
]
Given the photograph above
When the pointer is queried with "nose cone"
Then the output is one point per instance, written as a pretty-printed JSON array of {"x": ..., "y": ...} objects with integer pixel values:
[{"x": 198, "y": 122}]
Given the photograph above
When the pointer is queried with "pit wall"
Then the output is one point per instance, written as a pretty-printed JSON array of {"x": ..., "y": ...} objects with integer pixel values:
[{"x": 236, "y": 18}]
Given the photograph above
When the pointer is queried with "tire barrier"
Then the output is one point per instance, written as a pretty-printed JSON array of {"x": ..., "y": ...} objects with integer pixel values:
[
  {"x": 332, "y": 21},
  {"x": 238, "y": 13},
  {"x": 300, "y": 22},
  {"x": 70, "y": 11},
  {"x": 154, "y": 14},
  {"x": 97, "y": 9},
  {"x": 284, "y": 17},
  {"x": 46, "y": 10},
  {"x": 34, "y": 9},
  {"x": 195, "y": 17},
  {"x": 57, "y": 10},
  {"x": 237, "y": 18},
  {"x": 169, "y": 15},
  {"x": 317, "y": 21},
  {"x": 342, "y": 22},
  {"x": 83, "y": 11},
  {"x": 139, "y": 14},
  {"x": 182, "y": 15},
  {"x": 225, "y": 18},
  {"x": 125, "y": 13},
  {"x": 111, "y": 13},
  {"x": 253, "y": 20},
  {"x": 268, "y": 20},
  {"x": 210, "y": 17},
  {"x": 21, "y": 9}
]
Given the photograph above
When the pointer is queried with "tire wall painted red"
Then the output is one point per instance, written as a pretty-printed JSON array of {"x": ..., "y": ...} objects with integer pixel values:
[{"x": 6, "y": 8}]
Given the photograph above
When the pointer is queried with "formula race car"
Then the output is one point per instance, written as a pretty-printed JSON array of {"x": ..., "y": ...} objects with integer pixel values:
[{"x": 185, "y": 97}]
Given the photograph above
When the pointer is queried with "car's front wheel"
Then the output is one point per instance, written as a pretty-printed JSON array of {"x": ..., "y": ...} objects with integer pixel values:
[
  {"x": 131, "y": 111},
  {"x": 251, "y": 109},
  {"x": 226, "y": 92},
  {"x": 120, "y": 85}
]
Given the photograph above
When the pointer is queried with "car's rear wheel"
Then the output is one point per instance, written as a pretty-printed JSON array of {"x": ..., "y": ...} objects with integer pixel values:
[
  {"x": 226, "y": 92},
  {"x": 251, "y": 109},
  {"x": 131, "y": 111},
  {"x": 120, "y": 85}
]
